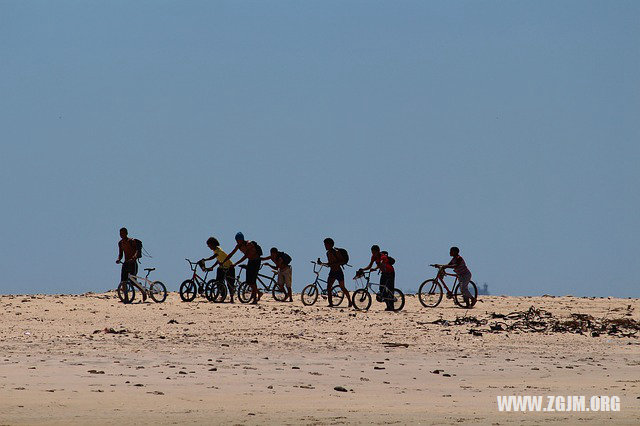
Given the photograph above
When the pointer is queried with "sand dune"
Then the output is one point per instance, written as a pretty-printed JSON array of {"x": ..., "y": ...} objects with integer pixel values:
[{"x": 81, "y": 359}]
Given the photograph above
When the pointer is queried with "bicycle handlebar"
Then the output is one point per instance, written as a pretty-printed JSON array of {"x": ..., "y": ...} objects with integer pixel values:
[
  {"x": 194, "y": 265},
  {"x": 324, "y": 264}
]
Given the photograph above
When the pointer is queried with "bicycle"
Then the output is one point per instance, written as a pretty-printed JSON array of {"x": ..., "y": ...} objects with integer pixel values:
[
  {"x": 190, "y": 288},
  {"x": 278, "y": 292},
  {"x": 362, "y": 297},
  {"x": 430, "y": 291},
  {"x": 310, "y": 293},
  {"x": 154, "y": 289},
  {"x": 217, "y": 291}
]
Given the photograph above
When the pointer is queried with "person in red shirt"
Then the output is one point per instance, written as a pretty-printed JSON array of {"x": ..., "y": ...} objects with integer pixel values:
[{"x": 387, "y": 273}]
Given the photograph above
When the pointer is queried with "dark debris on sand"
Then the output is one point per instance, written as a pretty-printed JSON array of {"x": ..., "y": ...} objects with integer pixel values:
[{"x": 536, "y": 320}]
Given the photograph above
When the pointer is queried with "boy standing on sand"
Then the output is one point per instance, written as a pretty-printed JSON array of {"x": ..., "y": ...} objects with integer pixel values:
[
  {"x": 334, "y": 262},
  {"x": 226, "y": 269},
  {"x": 282, "y": 263},
  {"x": 252, "y": 252},
  {"x": 129, "y": 248},
  {"x": 459, "y": 266},
  {"x": 387, "y": 277}
]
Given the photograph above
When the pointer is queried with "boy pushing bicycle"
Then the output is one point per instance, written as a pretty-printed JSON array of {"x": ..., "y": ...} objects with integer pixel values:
[
  {"x": 388, "y": 274},
  {"x": 252, "y": 252},
  {"x": 129, "y": 248},
  {"x": 281, "y": 263},
  {"x": 225, "y": 271},
  {"x": 335, "y": 262},
  {"x": 459, "y": 266}
]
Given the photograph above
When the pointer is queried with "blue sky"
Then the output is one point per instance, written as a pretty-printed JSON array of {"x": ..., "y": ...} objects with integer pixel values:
[{"x": 509, "y": 129}]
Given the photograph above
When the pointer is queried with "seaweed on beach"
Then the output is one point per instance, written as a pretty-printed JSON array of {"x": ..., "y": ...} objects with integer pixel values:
[{"x": 537, "y": 320}]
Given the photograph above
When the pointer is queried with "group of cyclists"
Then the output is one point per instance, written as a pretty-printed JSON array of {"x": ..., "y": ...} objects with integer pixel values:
[{"x": 337, "y": 258}]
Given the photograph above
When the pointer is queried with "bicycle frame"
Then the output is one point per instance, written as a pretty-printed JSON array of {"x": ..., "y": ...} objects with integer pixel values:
[
  {"x": 440, "y": 278},
  {"x": 316, "y": 270},
  {"x": 197, "y": 278},
  {"x": 366, "y": 276},
  {"x": 272, "y": 282},
  {"x": 144, "y": 283}
]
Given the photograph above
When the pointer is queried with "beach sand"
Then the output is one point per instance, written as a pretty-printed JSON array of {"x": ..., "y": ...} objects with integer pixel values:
[{"x": 279, "y": 363}]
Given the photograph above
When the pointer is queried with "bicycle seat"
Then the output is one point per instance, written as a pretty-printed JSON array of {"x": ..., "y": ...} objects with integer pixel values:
[
  {"x": 149, "y": 269},
  {"x": 243, "y": 266}
]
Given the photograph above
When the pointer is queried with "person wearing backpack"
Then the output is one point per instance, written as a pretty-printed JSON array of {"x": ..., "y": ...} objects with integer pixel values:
[
  {"x": 336, "y": 259},
  {"x": 375, "y": 258},
  {"x": 281, "y": 263},
  {"x": 384, "y": 263},
  {"x": 131, "y": 249},
  {"x": 388, "y": 278},
  {"x": 252, "y": 252}
]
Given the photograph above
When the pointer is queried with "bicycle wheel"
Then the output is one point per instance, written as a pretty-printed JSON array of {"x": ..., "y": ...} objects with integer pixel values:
[
  {"x": 211, "y": 291},
  {"x": 430, "y": 293},
  {"x": 245, "y": 293},
  {"x": 188, "y": 291},
  {"x": 361, "y": 299},
  {"x": 398, "y": 300},
  {"x": 158, "y": 292},
  {"x": 309, "y": 295},
  {"x": 126, "y": 292},
  {"x": 217, "y": 291},
  {"x": 280, "y": 293},
  {"x": 337, "y": 296},
  {"x": 459, "y": 300}
]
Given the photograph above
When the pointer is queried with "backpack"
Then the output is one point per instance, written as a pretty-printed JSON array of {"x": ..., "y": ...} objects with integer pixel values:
[
  {"x": 258, "y": 248},
  {"x": 343, "y": 256},
  {"x": 286, "y": 259},
  {"x": 389, "y": 258},
  {"x": 138, "y": 245}
]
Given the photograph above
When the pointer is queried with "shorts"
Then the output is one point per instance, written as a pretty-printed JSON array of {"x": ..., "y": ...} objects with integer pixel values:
[
  {"x": 336, "y": 275},
  {"x": 253, "y": 266},
  {"x": 284, "y": 276},
  {"x": 128, "y": 267}
]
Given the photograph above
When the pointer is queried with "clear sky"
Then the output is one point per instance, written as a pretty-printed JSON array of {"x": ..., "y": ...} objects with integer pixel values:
[{"x": 508, "y": 128}]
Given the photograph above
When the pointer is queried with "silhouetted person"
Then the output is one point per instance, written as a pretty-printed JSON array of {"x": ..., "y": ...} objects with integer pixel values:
[
  {"x": 387, "y": 273},
  {"x": 128, "y": 247},
  {"x": 225, "y": 271},
  {"x": 334, "y": 262},
  {"x": 252, "y": 252},
  {"x": 281, "y": 263},
  {"x": 459, "y": 266}
]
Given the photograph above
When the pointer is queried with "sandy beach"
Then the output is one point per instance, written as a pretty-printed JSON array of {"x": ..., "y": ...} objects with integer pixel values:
[{"x": 90, "y": 359}]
